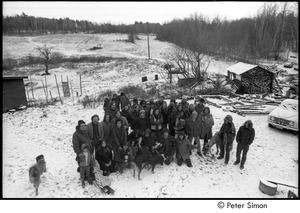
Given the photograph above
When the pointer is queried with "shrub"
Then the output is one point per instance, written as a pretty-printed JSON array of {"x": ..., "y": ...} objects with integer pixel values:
[
  {"x": 86, "y": 101},
  {"x": 133, "y": 91}
]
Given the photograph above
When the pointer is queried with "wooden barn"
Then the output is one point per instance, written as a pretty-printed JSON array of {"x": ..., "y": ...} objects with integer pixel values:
[
  {"x": 251, "y": 79},
  {"x": 13, "y": 92}
]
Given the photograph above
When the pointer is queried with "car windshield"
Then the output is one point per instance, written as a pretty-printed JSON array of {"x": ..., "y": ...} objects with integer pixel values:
[{"x": 289, "y": 106}]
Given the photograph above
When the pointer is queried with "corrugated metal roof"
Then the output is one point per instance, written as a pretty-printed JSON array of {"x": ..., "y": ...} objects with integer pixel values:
[{"x": 240, "y": 68}]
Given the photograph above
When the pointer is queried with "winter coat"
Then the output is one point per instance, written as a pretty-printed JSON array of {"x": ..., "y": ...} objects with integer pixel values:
[
  {"x": 208, "y": 122},
  {"x": 142, "y": 124},
  {"x": 245, "y": 135},
  {"x": 195, "y": 128},
  {"x": 79, "y": 138},
  {"x": 111, "y": 112},
  {"x": 227, "y": 133},
  {"x": 185, "y": 105},
  {"x": 156, "y": 122},
  {"x": 165, "y": 115},
  {"x": 148, "y": 141},
  {"x": 117, "y": 101},
  {"x": 104, "y": 155},
  {"x": 89, "y": 129},
  {"x": 199, "y": 109},
  {"x": 135, "y": 114},
  {"x": 86, "y": 159},
  {"x": 106, "y": 130},
  {"x": 119, "y": 137},
  {"x": 124, "y": 122},
  {"x": 124, "y": 102},
  {"x": 127, "y": 114},
  {"x": 183, "y": 149},
  {"x": 169, "y": 145}
]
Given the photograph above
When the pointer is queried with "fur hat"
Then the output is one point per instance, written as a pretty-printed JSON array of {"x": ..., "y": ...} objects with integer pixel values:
[
  {"x": 228, "y": 118},
  {"x": 95, "y": 116},
  {"x": 39, "y": 157},
  {"x": 250, "y": 124}
]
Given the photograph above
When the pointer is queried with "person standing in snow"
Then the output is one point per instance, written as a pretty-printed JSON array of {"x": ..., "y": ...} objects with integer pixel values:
[
  {"x": 195, "y": 130},
  {"x": 227, "y": 134},
  {"x": 199, "y": 107},
  {"x": 119, "y": 137},
  {"x": 244, "y": 138},
  {"x": 184, "y": 103},
  {"x": 142, "y": 122},
  {"x": 107, "y": 126},
  {"x": 85, "y": 164},
  {"x": 80, "y": 137},
  {"x": 209, "y": 122},
  {"x": 166, "y": 145},
  {"x": 123, "y": 119},
  {"x": 156, "y": 120},
  {"x": 112, "y": 109},
  {"x": 124, "y": 100},
  {"x": 95, "y": 131}
]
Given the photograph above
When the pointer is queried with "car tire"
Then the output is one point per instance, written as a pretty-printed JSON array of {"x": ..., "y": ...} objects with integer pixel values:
[
  {"x": 296, "y": 133},
  {"x": 270, "y": 125}
]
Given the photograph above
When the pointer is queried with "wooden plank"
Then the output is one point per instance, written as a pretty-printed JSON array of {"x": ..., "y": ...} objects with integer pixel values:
[{"x": 282, "y": 182}]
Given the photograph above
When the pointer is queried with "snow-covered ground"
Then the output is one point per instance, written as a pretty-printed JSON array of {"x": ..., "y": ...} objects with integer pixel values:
[{"x": 49, "y": 130}]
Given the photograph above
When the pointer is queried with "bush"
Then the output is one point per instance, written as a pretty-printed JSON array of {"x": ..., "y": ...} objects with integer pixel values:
[
  {"x": 133, "y": 91},
  {"x": 86, "y": 101}
]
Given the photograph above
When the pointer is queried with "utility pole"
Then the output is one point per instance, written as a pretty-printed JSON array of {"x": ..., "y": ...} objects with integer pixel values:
[{"x": 148, "y": 46}]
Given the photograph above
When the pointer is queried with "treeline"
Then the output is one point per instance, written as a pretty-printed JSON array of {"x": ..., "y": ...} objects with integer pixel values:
[
  {"x": 24, "y": 24},
  {"x": 272, "y": 30}
]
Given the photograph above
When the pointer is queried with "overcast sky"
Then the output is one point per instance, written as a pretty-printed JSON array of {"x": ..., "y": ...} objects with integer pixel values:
[{"x": 129, "y": 12}]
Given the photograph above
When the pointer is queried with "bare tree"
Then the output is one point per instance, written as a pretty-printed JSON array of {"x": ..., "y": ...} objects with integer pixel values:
[{"x": 45, "y": 54}]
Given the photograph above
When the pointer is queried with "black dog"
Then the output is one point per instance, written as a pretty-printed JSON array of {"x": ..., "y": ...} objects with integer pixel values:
[{"x": 155, "y": 160}]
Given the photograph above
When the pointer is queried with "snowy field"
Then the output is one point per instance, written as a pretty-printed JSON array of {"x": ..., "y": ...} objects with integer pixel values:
[{"x": 49, "y": 130}]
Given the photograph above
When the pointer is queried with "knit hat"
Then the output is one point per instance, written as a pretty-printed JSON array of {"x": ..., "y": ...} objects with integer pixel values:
[
  {"x": 79, "y": 123},
  {"x": 39, "y": 157},
  {"x": 95, "y": 116},
  {"x": 228, "y": 118}
]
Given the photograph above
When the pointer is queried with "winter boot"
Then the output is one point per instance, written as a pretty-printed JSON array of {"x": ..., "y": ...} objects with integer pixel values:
[
  {"x": 242, "y": 167},
  {"x": 83, "y": 184},
  {"x": 220, "y": 157},
  {"x": 236, "y": 162}
]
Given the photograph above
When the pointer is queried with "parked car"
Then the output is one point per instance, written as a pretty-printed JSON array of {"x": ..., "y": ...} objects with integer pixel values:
[
  {"x": 285, "y": 116},
  {"x": 288, "y": 65}
]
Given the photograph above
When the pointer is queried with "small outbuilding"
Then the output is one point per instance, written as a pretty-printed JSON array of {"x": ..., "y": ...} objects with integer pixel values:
[
  {"x": 251, "y": 79},
  {"x": 13, "y": 90}
]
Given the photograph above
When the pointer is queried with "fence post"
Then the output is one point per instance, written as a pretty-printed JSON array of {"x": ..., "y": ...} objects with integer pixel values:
[
  {"x": 46, "y": 85},
  {"x": 31, "y": 85},
  {"x": 80, "y": 85},
  {"x": 58, "y": 89},
  {"x": 44, "y": 91}
]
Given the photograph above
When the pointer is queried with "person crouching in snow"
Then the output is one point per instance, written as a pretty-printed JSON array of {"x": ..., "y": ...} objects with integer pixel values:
[
  {"x": 183, "y": 151},
  {"x": 168, "y": 146},
  {"x": 244, "y": 138},
  {"x": 227, "y": 134},
  {"x": 85, "y": 164},
  {"x": 105, "y": 158},
  {"x": 121, "y": 158}
]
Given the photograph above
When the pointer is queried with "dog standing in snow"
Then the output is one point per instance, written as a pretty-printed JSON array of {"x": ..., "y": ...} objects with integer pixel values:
[
  {"x": 36, "y": 171},
  {"x": 216, "y": 139}
]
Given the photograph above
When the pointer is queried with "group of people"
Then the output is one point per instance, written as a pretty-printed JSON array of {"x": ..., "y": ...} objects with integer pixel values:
[{"x": 130, "y": 129}]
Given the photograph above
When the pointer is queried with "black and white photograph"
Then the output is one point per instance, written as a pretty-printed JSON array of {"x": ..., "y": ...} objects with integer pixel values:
[{"x": 151, "y": 100}]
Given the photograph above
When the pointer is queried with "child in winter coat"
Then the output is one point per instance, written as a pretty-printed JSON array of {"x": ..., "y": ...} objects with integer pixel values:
[
  {"x": 227, "y": 134},
  {"x": 85, "y": 164},
  {"x": 208, "y": 122},
  {"x": 183, "y": 151}
]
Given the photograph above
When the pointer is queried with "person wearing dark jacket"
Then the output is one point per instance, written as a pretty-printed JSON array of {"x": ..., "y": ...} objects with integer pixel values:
[
  {"x": 199, "y": 105},
  {"x": 184, "y": 148},
  {"x": 164, "y": 112},
  {"x": 121, "y": 158},
  {"x": 148, "y": 140},
  {"x": 168, "y": 146},
  {"x": 105, "y": 158},
  {"x": 119, "y": 137},
  {"x": 135, "y": 114},
  {"x": 171, "y": 122},
  {"x": 95, "y": 131},
  {"x": 80, "y": 137},
  {"x": 227, "y": 134},
  {"x": 142, "y": 122},
  {"x": 244, "y": 138},
  {"x": 116, "y": 99},
  {"x": 123, "y": 119},
  {"x": 184, "y": 103},
  {"x": 124, "y": 101},
  {"x": 127, "y": 114},
  {"x": 112, "y": 110},
  {"x": 190, "y": 110},
  {"x": 150, "y": 110}
]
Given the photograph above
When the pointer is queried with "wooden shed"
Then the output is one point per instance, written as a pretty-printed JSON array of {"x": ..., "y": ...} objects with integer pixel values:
[
  {"x": 251, "y": 79},
  {"x": 13, "y": 91}
]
